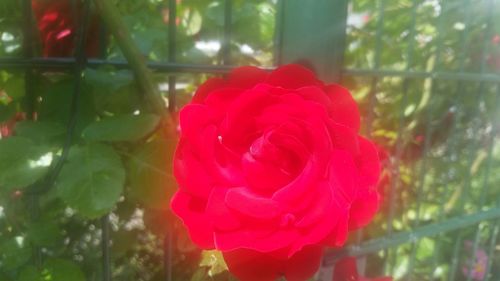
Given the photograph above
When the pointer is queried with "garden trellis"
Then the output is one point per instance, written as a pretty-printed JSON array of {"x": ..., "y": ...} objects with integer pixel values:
[{"x": 427, "y": 75}]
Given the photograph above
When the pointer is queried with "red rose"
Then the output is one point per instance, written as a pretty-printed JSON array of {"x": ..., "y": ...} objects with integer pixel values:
[
  {"x": 347, "y": 270},
  {"x": 57, "y": 26},
  {"x": 271, "y": 169}
]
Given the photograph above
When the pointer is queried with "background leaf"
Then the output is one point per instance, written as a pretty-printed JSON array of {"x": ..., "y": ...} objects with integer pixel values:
[
  {"x": 20, "y": 163},
  {"x": 92, "y": 180},
  {"x": 53, "y": 270},
  {"x": 40, "y": 131},
  {"x": 14, "y": 253},
  {"x": 121, "y": 128},
  {"x": 150, "y": 174}
]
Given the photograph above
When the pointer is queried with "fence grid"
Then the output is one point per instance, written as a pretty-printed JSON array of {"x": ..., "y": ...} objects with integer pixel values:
[{"x": 387, "y": 244}]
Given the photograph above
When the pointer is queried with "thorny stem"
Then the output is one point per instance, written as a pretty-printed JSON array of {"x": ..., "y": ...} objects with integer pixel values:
[{"x": 149, "y": 89}]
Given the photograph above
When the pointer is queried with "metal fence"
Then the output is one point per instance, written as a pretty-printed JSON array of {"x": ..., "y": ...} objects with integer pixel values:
[{"x": 318, "y": 32}]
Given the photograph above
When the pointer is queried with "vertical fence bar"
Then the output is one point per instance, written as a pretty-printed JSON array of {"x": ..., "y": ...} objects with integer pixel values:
[
  {"x": 168, "y": 241},
  {"x": 313, "y": 36},
  {"x": 459, "y": 89},
  {"x": 496, "y": 228},
  {"x": 379, "y": 33},
  {"x": 172, "y": 30},
  {"x": 278, "y": 32},
  {"x": 427, "y": 137},
  {"x": 489, "y": 8},
  {"x": 106, "y": 255},
  {"x": 226, "y": 37},
  {"x": 401, "y": 131},
  {"x": 439, "y": 47},
  {"x": 104, "y": 221},
  {"x": 30, "y": 107}
]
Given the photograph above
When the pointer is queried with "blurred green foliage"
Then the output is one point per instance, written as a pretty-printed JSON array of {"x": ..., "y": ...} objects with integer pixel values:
[{"x": 440, "y": 137}]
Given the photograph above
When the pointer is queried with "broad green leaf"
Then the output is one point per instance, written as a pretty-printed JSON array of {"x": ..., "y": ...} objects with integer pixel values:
[
  {"x": 21, "y": 162},
  {"x": 14, "y": 87},
  {"x": 124, "y": 100},
  {"x": 44, "y": 233},
  {"x": 30, "y": 273},
  {"x": 56, "y": 99},
  {"x": 92, "y": 180},
  {"x": 150, "y": 174},
  {"x": 40, "y": 131},
  {"x": 121, "y": 128},
  {"x": 53, "y": 270},
  {"x": 107, "y": 79},
  {"x": 7, "y": 111},
  {"x": 62, "y": 270},
  {"x": 113, "y": 91},
  {"x": 14, "y": 253}
]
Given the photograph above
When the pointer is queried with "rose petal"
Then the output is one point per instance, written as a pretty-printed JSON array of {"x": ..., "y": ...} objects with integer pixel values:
[
  {"x": 292, "y": 76},
  {"x": 304, "y": 264},
  {"x": 346, "y": 270},
  {"x": 316, "y": 94},
  {"x": 192, "y": 119},
  {"x": 369, "y": 163},
  {"x": 258, "y": 237},
  {"x": 246, "y": 77},
  {"x": 344, "y": 138},
  {"x": 220, "y": 100},
  {"x": 344, "y": 109},
  {"x": 192, "y": 214},
  {"x": 363, "y": 209},
  {"x": 190, "y": 173},
  {"x": 250, "y": 204},
  {"x": 223, "y": 219},
  {"x": 342, "y": 177},
  {"x": 208, "y": 86},
  {"x": 250, "y": 265},
  {"x": 263, "y": 177}
]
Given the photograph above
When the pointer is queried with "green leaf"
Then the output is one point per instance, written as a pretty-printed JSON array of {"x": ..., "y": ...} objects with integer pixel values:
[
  {"x": 44, "y": 233},
  {"x": 62, "y": 270},
  {"x": 40, "y": 131},
  {"x": 56, "y": 98},
  {"x": 121, "y": 128},
  {"x": 150, "y": 174},
  {"x": 113, "y": 91},
  {"x": 53, "y": 270},
  {"x": 14, "y": 253},
  {"x": 14, "y": 87},
  {"x": 20, "y": 162},
  {"x": 92, "y": 180},
  {"x": 7, "y": 111},
  {"x": 30, "y": 273},
  {"x": 107, "y": 79}
]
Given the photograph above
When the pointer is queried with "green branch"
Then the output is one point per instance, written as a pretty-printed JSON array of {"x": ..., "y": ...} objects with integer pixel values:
[{"x": 111, "y": 16}]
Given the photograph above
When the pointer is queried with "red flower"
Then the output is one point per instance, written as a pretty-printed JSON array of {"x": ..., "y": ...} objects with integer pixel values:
[
  {"x": 7, "y": 127},
  {"x": 347, "y": 270},
  {"x": 57, "y": 26},
  {"x": 495, "y": 39},
  {"x": 271, "y": 169}
]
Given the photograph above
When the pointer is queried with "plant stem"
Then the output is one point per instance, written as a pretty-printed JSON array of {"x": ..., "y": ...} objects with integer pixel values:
[{"x": 114, "y": 23}]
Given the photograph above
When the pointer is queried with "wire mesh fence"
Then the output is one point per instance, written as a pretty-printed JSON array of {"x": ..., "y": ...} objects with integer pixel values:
[{"x": 426, "y": 74}]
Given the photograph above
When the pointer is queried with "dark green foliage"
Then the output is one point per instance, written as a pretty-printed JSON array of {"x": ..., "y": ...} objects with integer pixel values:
[{"x": 439, "y": 129}]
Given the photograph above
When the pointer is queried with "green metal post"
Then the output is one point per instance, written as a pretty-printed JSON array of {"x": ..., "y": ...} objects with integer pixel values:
[{"x": 313, "y": 33}]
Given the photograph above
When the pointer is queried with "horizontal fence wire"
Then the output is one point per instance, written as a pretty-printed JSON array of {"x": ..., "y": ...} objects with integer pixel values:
[
  {"x": 396, "y": 239},
  {"x": 393, "y": 239},
  {"x": 67, "y": 63}
]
